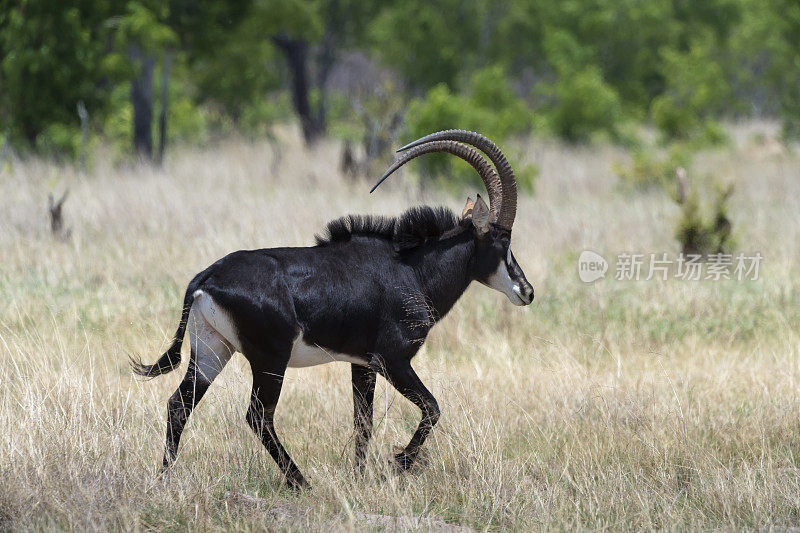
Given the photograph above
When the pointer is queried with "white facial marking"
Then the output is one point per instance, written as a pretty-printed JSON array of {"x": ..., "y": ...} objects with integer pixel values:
[
  {"x": 304, "y": 354},
  {"x": 212, "y": 336},
  {"x": 502, "y": 282}
]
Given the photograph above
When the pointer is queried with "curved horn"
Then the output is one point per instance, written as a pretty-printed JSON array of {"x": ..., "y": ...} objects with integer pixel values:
[
  {"x": 507, "y": 210},
  {"x": 479, "y": 163}
]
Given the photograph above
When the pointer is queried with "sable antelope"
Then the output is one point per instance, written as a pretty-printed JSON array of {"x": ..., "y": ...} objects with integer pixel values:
[{"x": 368, "y": 293}]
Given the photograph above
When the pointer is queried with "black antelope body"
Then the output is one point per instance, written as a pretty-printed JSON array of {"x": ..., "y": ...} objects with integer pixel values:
[{"x": 368, "y": 293}]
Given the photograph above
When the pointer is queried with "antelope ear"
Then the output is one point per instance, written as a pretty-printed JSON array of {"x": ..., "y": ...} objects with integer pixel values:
[
  {"x": 467, "y": 211},
  {"x": 480, "y": 216}
]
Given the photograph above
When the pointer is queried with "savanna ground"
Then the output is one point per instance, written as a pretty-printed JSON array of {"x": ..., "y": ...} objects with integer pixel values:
[{"x": 614, "y": 405}]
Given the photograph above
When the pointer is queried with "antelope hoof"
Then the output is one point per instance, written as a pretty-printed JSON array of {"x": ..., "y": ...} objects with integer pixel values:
[
  {"x": 298, "y": 483},
  {"x": 402, "y": 461},
  {"x": 164, "y": 471}
]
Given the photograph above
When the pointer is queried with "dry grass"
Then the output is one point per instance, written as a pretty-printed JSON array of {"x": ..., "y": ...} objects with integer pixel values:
[{"x": 615, "y": 405}]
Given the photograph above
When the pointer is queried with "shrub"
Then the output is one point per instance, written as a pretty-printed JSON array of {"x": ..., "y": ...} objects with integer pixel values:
[
  {"x": 490, "y": 108},
  {"x": 700, "y": 232},
  {"x": 673, "y": 120},
  {"x": 60, "y": 141},
  {"x": 585, "y": 106},
  {"x": 648, "y": 169},
  {"x": 696, "y": 91}
]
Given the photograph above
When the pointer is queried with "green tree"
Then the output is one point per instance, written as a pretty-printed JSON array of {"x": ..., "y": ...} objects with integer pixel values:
[
  {"x": 54, "y": 56},
  {"x": 597, "y": 61},
  {"x": 766, "y": 46},
  {"x": 231, "y": 60},
  {"x": 144, "y": 35},
  {"x": 580, "y": 102},
  {"x": 310, "y": 35},
  {"x": 696, "y": 89},
  {"x": 430, "y": 43},
  {"x": 488, "y": 105}
]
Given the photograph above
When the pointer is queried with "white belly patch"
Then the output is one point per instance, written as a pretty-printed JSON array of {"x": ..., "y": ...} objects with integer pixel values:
[
  {"x": 311, "y": 355},
  {"x": 214, "y": 330}
]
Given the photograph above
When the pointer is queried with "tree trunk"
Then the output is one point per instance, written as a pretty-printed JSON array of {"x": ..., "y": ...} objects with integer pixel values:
[
  {"x": 296, "y": 52},
  {"x": 325, "y": 62},
  {"x": 4, "y": 150},
  {"x": 162, "y": 119},
  {"x": 83, "y": 115},
  {"x": 142, "y": 100},
  {"x": 326, "y": 56},
  {"x": 31, "y": 134}
]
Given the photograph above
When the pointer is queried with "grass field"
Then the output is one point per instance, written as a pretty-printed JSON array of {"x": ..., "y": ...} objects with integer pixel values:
[{"x": 615, "y": 405}]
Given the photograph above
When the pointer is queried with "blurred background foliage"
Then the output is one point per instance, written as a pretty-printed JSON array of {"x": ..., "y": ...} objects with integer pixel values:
[{"x": 150, "y": 73}]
